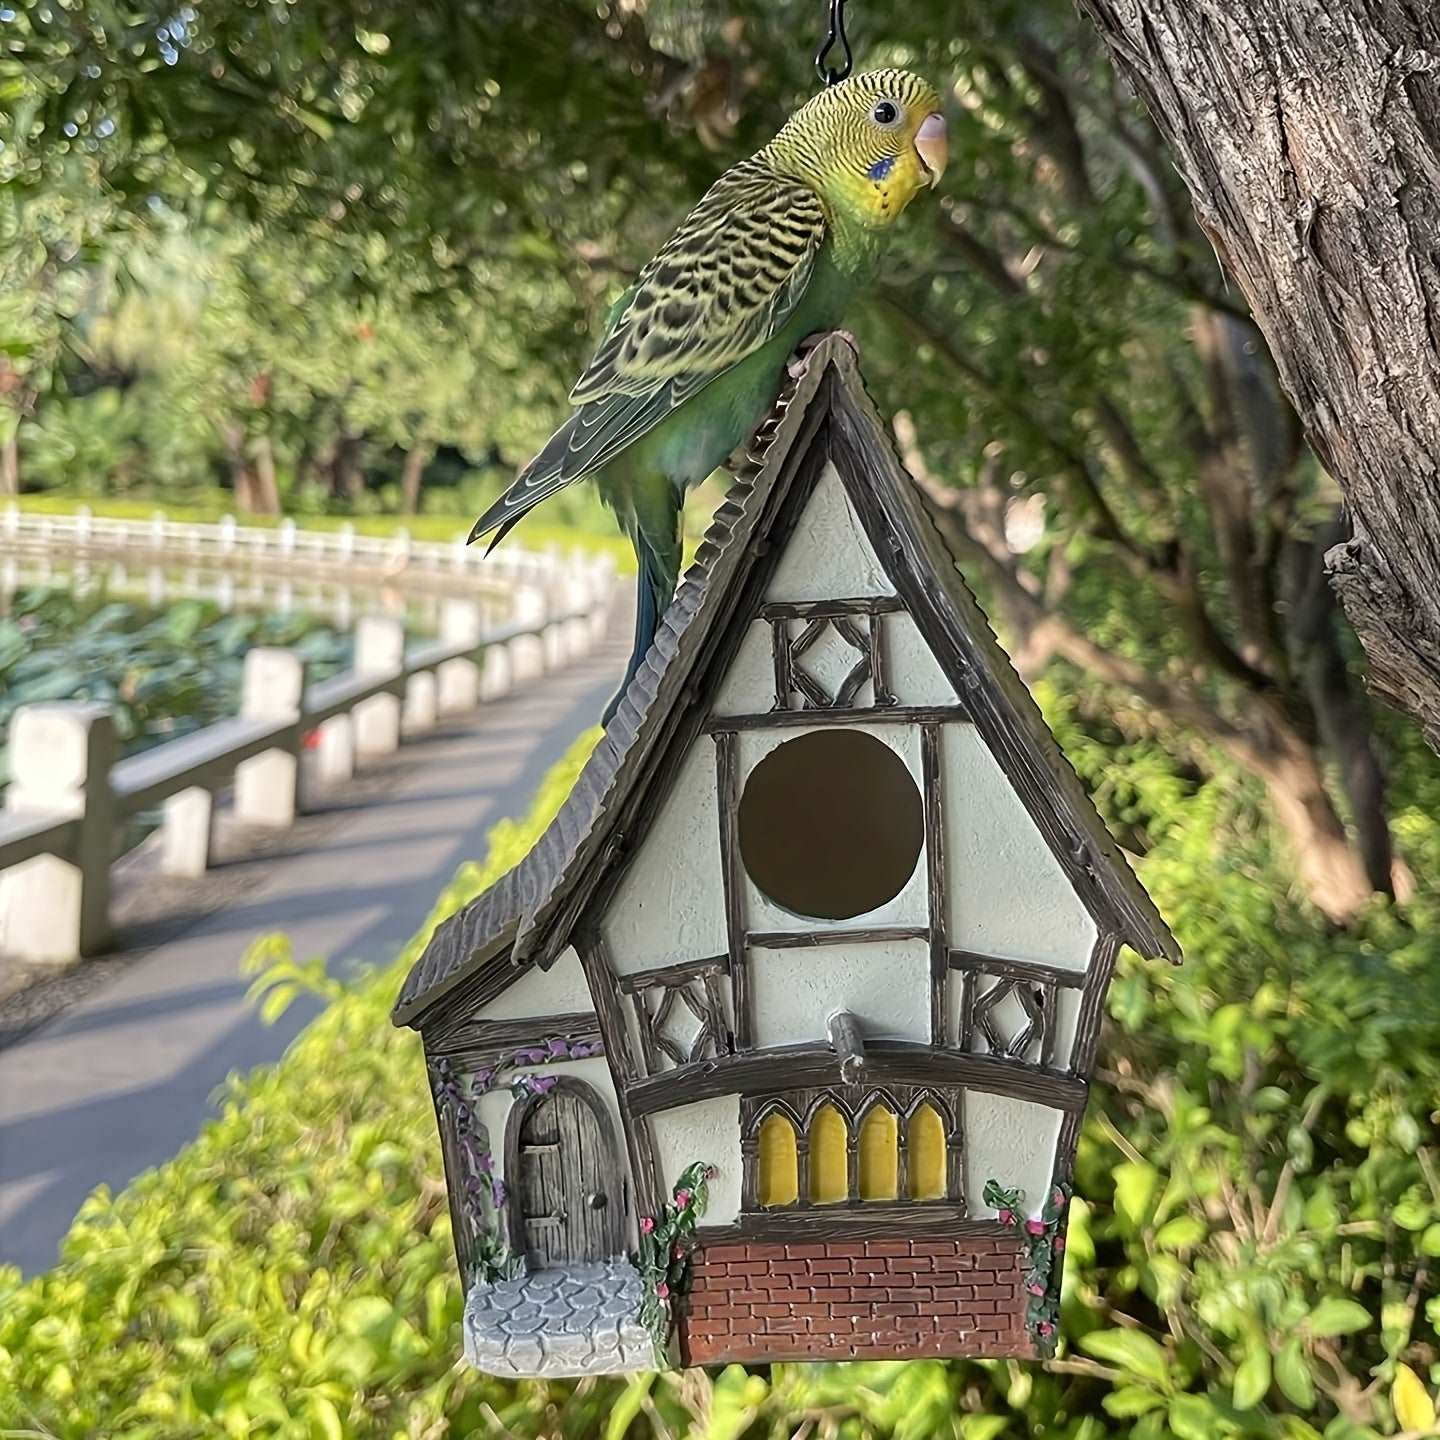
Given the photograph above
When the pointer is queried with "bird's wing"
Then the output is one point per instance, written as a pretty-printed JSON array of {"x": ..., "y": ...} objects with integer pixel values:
[{"x": 717, "y": 290}]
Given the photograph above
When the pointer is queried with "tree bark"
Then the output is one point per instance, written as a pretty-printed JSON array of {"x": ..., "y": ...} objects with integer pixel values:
[
  {"x": 10, "y": 465},
  {"x": 1308, "y": 133},
  {"x": 412, "y": 473},
  {"x": 266, "y": 488}
]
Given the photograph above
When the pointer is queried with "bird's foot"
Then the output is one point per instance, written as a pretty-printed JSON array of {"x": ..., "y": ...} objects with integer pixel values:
[{"x": 801, "y": 356}]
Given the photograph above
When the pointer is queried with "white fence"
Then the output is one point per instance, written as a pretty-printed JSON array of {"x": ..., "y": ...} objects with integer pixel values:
[
  {"x": 69, "y": 793},
  {"x": 340, "y": 554}
]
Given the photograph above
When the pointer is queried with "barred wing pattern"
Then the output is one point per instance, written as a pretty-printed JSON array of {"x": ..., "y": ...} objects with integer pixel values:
[{"x": 723, "y": 284}]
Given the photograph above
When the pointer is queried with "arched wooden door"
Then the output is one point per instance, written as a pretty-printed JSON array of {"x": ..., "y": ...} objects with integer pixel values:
[{"x": 564, "y": 1179}]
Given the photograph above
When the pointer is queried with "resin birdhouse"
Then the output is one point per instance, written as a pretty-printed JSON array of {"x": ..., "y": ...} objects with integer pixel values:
[{"x": 777, "y": 1043}]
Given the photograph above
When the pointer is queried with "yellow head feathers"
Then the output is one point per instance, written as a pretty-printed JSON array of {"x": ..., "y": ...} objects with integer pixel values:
[{"x": 869, "y": 145}]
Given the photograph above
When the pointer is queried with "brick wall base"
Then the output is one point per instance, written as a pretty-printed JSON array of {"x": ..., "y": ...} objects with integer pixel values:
[{"x": 856, "y": 1300}]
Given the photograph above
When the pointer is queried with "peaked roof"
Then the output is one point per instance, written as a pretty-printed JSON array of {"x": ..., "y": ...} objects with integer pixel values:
[{"x": 822, "y": 414}]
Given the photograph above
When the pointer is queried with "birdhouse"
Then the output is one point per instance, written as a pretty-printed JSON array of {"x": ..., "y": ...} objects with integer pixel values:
[{"x": 777, "y": 1044}]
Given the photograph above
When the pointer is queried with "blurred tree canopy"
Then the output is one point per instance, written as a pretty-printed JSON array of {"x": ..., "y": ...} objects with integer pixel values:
[{"x": 396, "y": 227}]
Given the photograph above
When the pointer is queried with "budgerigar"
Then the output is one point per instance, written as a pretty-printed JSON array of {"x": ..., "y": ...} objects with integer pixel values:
[{"x": 694, "y": 351}]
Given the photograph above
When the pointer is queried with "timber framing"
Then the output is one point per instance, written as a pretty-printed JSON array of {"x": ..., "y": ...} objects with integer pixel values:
[
  {"x": 824, "y": 419},
  {"x": 764, "y": 1072}
]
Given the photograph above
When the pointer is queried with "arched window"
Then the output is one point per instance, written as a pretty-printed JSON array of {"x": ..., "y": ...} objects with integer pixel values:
[
  {"x": 829, "y": 1165},
  {"x": 779, "y": 1168},
  {"x": 879, "y": 1155},
  {"x": 925, "y": 1153}
]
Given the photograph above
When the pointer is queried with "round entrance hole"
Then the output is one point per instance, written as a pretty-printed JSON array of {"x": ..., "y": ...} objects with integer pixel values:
[{"x": 831, "y": 824}]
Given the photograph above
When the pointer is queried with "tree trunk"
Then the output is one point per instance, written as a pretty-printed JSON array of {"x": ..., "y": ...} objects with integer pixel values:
[
  {"x": 242, "y": 479},
  {"x": 412, "y": 474},
  {"x": 266, "y": 490},
  {"x": 10, "y": 465},
  {"x": 1308, "y": 132}
]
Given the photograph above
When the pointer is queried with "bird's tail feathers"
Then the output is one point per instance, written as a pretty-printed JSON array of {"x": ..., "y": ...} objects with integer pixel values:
[{"x": 539, "y": 480}]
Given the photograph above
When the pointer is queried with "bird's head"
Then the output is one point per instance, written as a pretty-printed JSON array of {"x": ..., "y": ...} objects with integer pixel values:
[{"x": 869, "y": 145}]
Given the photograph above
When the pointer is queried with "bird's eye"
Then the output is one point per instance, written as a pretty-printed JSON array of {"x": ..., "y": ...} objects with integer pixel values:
[{"x": 886, "y": 112}]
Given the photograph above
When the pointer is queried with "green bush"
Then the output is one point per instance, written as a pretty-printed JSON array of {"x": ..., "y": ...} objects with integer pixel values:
[{"x": 1253, "y": 1254}]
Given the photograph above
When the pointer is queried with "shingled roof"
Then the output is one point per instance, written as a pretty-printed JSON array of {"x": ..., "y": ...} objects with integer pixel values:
[{"x": 823, "y": 413}]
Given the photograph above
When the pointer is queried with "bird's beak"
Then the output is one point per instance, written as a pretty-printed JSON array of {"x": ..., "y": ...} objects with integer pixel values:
[{"x": 933, "y": 146}]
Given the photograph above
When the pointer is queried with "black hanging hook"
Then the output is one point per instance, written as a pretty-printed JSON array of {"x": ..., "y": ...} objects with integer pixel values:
[{"x": 836, "y": 34}]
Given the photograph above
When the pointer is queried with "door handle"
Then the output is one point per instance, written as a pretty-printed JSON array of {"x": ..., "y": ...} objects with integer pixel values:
[{"x": 597, "y": 1200}]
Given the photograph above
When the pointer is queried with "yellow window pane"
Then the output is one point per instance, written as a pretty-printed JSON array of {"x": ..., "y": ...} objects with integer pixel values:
[
  {"x": 926, "y": 1152},
  {"x": 829, "y": 1174},
  {"x": 779, "y": 1169},
  {"x": 879, "y": 1156}
]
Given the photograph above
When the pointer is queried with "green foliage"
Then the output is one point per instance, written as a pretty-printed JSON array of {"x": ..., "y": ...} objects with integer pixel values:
[
  {"x": 165, "y": 673},
  {"x": 290, "y": 1274},
  {"x": 663, "y": 1259}
]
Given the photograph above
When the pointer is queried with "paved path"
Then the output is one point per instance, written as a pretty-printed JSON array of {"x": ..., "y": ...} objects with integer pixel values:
[{"x": 124, "y": 1076}]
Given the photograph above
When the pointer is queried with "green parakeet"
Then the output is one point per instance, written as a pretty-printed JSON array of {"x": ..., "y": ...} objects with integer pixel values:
[{"x": 694, "y": 351}]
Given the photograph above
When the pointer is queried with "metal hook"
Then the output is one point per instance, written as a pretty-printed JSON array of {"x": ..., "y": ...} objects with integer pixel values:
[{"x": 828, "y": 73}]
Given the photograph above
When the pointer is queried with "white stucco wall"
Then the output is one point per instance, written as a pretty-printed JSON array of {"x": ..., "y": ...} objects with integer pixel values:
[
  {"x": 887, "y": 986},
  {"x": 749, "y": 684},
  {"x": 560, "y": 990},
  {"x": 708, "y": 1131},
  {"x": 912, "y": 671},
  {"x": 671, "y": 904},
  {"x": 495, "y": 1106},
  {"x": 829, "y": 555},
  {"x": 1007, "y": 893},
  {"x": 909, "y": 907},
  {"x": 1013, "y": 1142}
]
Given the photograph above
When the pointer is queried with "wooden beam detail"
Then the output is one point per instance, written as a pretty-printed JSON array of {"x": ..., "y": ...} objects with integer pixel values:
[
  {"x": 862, "y": 1220},
  {"x": 639, "y": 1143},
  {"x": 809, "y": 609},
  {"x": 1092, "y": 1003},
  {"x": 793, "y": 1067},
  {"x": 676, "y": 974},
  {"x": 811, "y": 939},
  {"x": 839, "y": 715},
  {"x": 500, "y": 1037},
  {"x": 930, "y": 795},
  {"x": 727, "y": 791},
  {"x": 1019, "y": 969}
]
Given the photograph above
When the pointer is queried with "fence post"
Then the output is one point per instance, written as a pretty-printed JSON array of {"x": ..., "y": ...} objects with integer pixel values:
[
  {"x": 54, "y": 910},
  {"x": 459, "y": 680},
  {"x": 186, "y": 832},
  {"x": 379, "y": 650},
  {"x": 335, "y": 755},
  {"x": 287, "y": 536},
  {"x": 528, "y": 651},
  {"x": 267, "y": 785}
]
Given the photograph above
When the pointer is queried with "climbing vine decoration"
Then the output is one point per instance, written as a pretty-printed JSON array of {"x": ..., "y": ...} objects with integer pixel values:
[
  {"x": 1045, "y": 1240},
  {"x": 663, "y": 1259},
  {"x": 482, "y": 1192}
]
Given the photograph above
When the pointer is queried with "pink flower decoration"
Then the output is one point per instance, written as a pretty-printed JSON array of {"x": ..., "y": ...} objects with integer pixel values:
[
  {"x": 1035, "y": 1288},
  {"x": 1007, "y": 1217},
  {"x": 1035, "y": 1227},
  {"x": 676, "y": 1252},
  {"x": 662, "y": 1291},
  {"x": 682, "y": 1197},
  {"x": 1046, "y": 1329},
  {"x": 1059, "y": 1244},
  {"x": 647, "y": 1224},
  {"x": 1057, "y": 1197}
]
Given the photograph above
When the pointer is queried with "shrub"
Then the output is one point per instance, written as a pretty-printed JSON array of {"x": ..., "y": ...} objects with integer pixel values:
[{"x": 1252, "y": 1256}]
